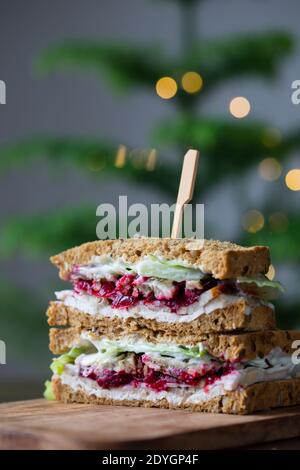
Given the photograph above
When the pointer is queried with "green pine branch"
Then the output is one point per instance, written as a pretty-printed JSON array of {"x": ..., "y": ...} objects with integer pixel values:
[
  {"x": 242, "y": 56},
  {"x": 229, "y": 147},
  {"x": 125, "y": 64},
  {"x": 130, "y": 66},
  {"x": 48, "y": 233},
  {"x": 59, "y": 150},
  {"x": 92, "y": 155}
]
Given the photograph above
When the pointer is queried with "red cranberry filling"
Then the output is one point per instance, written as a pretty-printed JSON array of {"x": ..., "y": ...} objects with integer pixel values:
[
  {"x": 153, "y": 379},
  {"x": 126, "y": 292}
]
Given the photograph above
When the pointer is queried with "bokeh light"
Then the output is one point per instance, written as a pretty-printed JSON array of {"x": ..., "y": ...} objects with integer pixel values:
[
  {"x": 121, "y": 156},
  {"x": 271, "y": 273},
  {"x": 292, "y": 180},
  {"x": 278, "y": 222},
  {"x": 253, "y": 221},
  {"x": 166, "y": 88},
  {"x": 151, "y": 160},
  {"x": 192, "y": 82},
  {"x": 239, "y": 107},
  {"x": 269, "y": 169}
]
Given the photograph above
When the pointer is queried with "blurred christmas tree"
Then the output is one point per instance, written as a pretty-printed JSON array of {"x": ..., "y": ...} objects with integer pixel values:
[{"x": 229, "y": 147}]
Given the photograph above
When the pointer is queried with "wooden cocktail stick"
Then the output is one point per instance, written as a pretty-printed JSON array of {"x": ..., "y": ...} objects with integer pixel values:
[{"x": 186, "y": 188}]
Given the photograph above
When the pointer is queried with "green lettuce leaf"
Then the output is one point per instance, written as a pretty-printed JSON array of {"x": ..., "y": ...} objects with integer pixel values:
[
  {"x": 195, "y": 351},
  {"x": 114, "y": 348},
  {"x": 58, "y": 364},
  {"x": 48, "y": 393},
  {"x": 260, "y": 287},
  {"x": 167, "y": 269},
  {"x": 261, "y": 282}
]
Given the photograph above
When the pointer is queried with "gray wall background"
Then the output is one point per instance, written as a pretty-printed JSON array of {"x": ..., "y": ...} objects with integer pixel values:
[{"x": 82, "y": 104}]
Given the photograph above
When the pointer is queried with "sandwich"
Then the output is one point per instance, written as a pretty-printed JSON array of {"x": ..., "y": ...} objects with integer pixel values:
[
  {"x": 220, "y": 374},
  {"x": 180, "y": 287},
  {"x": 172, "y": 323}
]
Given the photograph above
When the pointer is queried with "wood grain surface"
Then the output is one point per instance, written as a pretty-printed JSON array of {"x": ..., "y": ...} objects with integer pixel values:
[{"x": 38, "y": 424}]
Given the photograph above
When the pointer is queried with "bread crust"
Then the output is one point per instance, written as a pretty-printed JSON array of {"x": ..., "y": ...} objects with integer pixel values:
[
  {"x": 243, "y": 346},
  {"x": 231, "y": 318},
  {"x": 260, "y": 396},
  {"x": 224, "y": 260}
]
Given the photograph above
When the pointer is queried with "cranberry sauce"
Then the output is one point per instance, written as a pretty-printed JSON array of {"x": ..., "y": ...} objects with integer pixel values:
[
  {"x": 126, "y": 291},
  {"x": 154, "y": 379}
]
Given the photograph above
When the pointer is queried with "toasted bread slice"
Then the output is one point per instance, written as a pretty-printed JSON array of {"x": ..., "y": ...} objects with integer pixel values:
[
  {"x": 231, "y": 318},
  {"x": 260, "y": 396},
  {"x": 224, "y": 260},
  {"x": 244, "y": 346}
]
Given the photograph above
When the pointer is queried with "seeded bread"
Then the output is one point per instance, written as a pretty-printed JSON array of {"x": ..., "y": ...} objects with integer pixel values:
[
  {"x": 224, "y": 260},
  {"x": 261, "y": 396},
  {"x": 244, "y": 346},
  {"x": 231, "y": 318}
]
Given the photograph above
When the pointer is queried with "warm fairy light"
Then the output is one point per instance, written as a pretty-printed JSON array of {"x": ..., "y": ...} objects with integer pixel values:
[
  {"x": 269, "y": 169},
  {"x": 278, "y": 222},
  {"x": 121, "y": 156},
  {"x": 151, "y": 160},
  {"x": 239, "y": 107},
  {"x": 271, "y": 273},
  {"x": 166, "y": 87},
  {"x": 192, "y": 82},
  {"x": 253, "y": 221},
  {"x": 292, "y": 180},
  {"x": 271, "y": 137}
]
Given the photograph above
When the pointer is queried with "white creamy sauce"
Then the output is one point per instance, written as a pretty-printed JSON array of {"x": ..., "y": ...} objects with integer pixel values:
[
  {"x": 101, "y": 267},
  {"x": 205, "y": 305}
]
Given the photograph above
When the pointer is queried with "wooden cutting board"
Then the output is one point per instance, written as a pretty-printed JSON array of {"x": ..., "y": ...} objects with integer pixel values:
[{"x": 38, "y": 424}]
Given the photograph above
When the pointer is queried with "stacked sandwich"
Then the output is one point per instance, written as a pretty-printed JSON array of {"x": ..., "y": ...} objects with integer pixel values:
[{"x": 171, "y": 323}]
